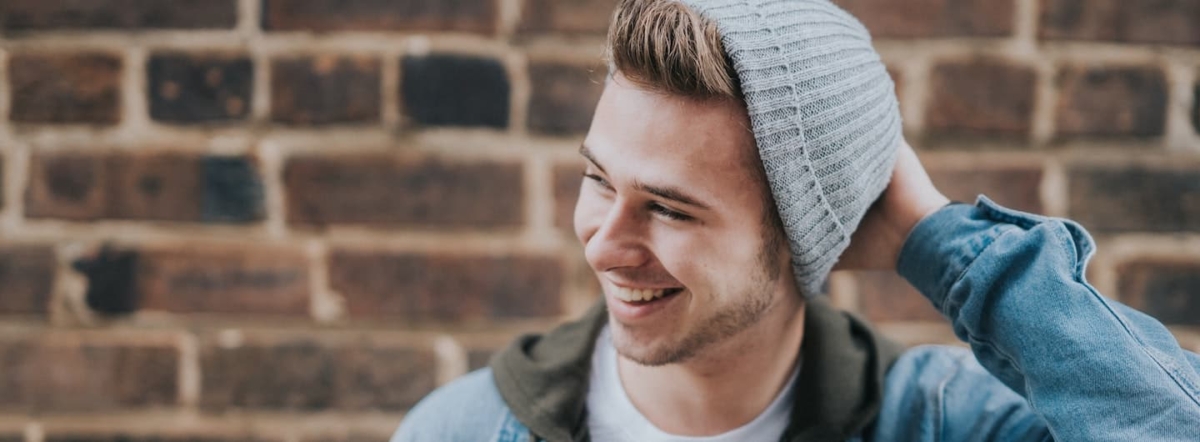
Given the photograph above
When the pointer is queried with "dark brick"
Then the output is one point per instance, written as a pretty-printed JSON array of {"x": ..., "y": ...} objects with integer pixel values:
[
  {"x": 566, "y": 16},
  {"x": 188, "y": 88},
  {"x": 383, "y": 190},
  {"x": 980, "y": 98},
  {"x": 934, "y": 18},
  {"x": 26, "y": 279},
  {"x": 564, "y": 96},
  {"x": 110, "y": 274},
  {"x": 1136, "y": 198},
  {"x": 44, "y": 374},
  {"x": 1158, "y": 21},
  {"x": 886, "y": 297},
  {"x": 567, "y": 181},
  {"x": 1166, "y": 290},
  {"x": 1017, "y": 187},
  {"x": 477, "y": 16},
  {"x": 303, "y": 374},
  {"x": 21, "y": 15},
  {"x": 65, "y": 88},
  {"x": 1109, "y": 101},
  {"x": 325, "y": 90},
  {"x": 453, "y": 90},
  {"x": 251, "y": 281},
  {"x": 12, "y": 437},
  {"x": 143, "y": 186},
  {"x": 446, "y": 287}
]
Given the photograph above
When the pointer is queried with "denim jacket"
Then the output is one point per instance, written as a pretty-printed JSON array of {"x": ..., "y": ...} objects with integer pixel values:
[{"x": 1050, "y": 358}]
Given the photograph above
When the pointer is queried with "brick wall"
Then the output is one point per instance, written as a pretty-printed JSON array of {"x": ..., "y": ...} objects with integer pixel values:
[{"x": 287, "y": 220}]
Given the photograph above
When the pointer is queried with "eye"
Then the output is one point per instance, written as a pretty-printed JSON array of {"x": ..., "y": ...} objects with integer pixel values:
[
  {"x": 671, "y": 214},
  {"x": 598, "y": 180}
]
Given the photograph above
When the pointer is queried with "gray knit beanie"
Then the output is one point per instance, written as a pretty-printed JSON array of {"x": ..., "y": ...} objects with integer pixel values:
[{"x": 824, "y": 115}]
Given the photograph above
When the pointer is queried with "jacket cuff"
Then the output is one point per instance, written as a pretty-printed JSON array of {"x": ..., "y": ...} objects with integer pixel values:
[{"x": 943, "y": 245}]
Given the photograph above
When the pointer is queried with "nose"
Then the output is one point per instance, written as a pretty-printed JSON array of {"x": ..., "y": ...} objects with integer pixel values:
[{"x": 618, "y": 241}]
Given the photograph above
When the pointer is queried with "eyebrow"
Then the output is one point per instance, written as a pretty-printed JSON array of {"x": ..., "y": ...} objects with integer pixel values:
[{"x": 666, "y": 192}]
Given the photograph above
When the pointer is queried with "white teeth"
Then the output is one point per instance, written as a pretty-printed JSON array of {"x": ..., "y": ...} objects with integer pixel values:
[{"x": 635, "y": 295}]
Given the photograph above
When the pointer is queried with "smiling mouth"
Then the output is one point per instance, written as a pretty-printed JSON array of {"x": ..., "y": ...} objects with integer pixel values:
[{"x": 643, "y": 296}]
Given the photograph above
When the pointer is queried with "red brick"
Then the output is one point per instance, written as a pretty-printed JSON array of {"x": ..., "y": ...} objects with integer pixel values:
[
  {"x": 455, "y": 90},
  {"x": 1161, "y": 21},
  {"x": 477, "y": 16},
  {"x": 567, "y": 181},
  {"x": 1017, "y": 187},
  {"x": 425, "y": 288},
  {"x": 564, "y": 96},
  {"x": 1136, "y": 198},
  {"x": 980, "y": 98},
  {"x": 37, "y": 15},
  {"x": 388, "y": 191},
  {"x": 1168, "y": 290},
  {"x": 934, "y": 18},
  {"x": 566, "y": 16},
  {"x": 42, "y": 374},
  {"x": 304, "y": 374},
  {"x": 886, "y": 297},
  {"x": 325, "y": 90},
  {"x": 65, "y": 88},
  {"x": 26, "y": 279},
  {"x": 1112, "y": 101},
  {"x": 199, "y": 88},
  {"x": 249, "y": 281}
]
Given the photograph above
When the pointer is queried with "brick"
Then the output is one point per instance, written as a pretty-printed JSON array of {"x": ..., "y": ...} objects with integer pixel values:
[
  {"x": 144, "y": 436},
  {"x": 1167, "y": 290},
  {"x": 455, "y": 90},
  {"x": 980, "y": 98},
  {"x": 44, "y": 375},
  {"x": 38, "y": 15},
  {"x": 1196, "y": 107},
  {"x": 478, "y": 16},
  {"x": 65, "y": 88},
  {"x": 1162, "y": 21},
  {"x": 12, "y": 437},
  {"x": 424, "y": 288},
  {"x": 187, "y": 88},
  {"x": 26, "y": 279},
  {"x": 934, "y": 18},
  {"x": 144, "y": 186},
  {"x": 566, "y": 16},
  {"x": 886, "y": 297},
  {"x": 567, "y": 181},
  {"x": 1111, "y": 101},
  {"x": 478, "y": 358},
  {"x": 1136, "y": 198},
  {"x": 303, "y": 374},
  {"x": 325, "y": 90},
  {"x": 388, "y": 191},
  {"x": 111, "y": 277},
  {"x": 1016, "y": 187},
  {"x": 250, "y": 281},
  {"x": 564, "y": 96}
]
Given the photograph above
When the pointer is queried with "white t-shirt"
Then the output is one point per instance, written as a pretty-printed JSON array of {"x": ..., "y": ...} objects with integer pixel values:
[{"x": 613, "y": 418}]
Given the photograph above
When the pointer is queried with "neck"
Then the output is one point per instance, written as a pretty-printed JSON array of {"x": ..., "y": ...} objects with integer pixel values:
[{"x": 728, "y": 385}]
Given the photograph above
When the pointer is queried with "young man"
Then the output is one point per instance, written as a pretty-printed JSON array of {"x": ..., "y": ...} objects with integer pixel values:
[{"x": 740, "y": 150}]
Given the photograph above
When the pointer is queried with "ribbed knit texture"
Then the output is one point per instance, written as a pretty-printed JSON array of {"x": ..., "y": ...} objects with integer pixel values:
[{"x": 824, "y": 114}]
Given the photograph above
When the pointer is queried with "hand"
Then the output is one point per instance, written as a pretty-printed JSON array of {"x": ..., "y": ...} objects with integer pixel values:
[{"x": 907, "y": 200}]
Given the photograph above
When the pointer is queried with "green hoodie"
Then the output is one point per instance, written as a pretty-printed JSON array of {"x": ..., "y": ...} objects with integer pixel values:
[{"x": 544, "y": 378}]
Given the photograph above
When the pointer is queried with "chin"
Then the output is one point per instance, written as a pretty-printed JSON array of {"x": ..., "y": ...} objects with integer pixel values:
[{"x": 646, "y": 349}]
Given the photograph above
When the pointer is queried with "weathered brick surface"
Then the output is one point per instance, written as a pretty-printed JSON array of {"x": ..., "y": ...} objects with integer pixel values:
[
  {"x": 1162, "y": 21},
  {"x": 1017, "y": 187},
  {"x": 566, "y": 16},
  {"x": 306, "y": 374},
  {"x": 1112, "y": 101},
  {"x": 143, "y": 186},
  {"x": 387, "y": 191},
  {"x": 567, "y": 182},
  {"x": 886, "y": 297},
  {"x": 109, "y": 436},
  {"x": 39, "y": 15},
  {"x": 455, "y": 90},
  {"x": 980, "y": 98},
  {"x": 1136, "y": 198},
  {"x": 45, "y": 375},
  {"x": 564, "y": 96},
  {"x": 325, "y": 90},
  {"x": 186, "y": 88},
  {"x": 1165, "y": 289},
  {"x": 477, "y": 16},
  {"x": 26, "y": 279},
  {"x": 246, "y": 281},
  {"x": 65, "y": 88},
  {"x": 934, "y": 18},
  {"x": 423, "y": 287}
]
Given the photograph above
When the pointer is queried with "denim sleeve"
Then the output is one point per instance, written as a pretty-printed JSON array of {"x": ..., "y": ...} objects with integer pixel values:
[{"x": 1012, "y": 285}]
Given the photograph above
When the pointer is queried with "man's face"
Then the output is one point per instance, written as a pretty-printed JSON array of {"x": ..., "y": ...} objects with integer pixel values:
[{"x": 672, "y": 208}]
